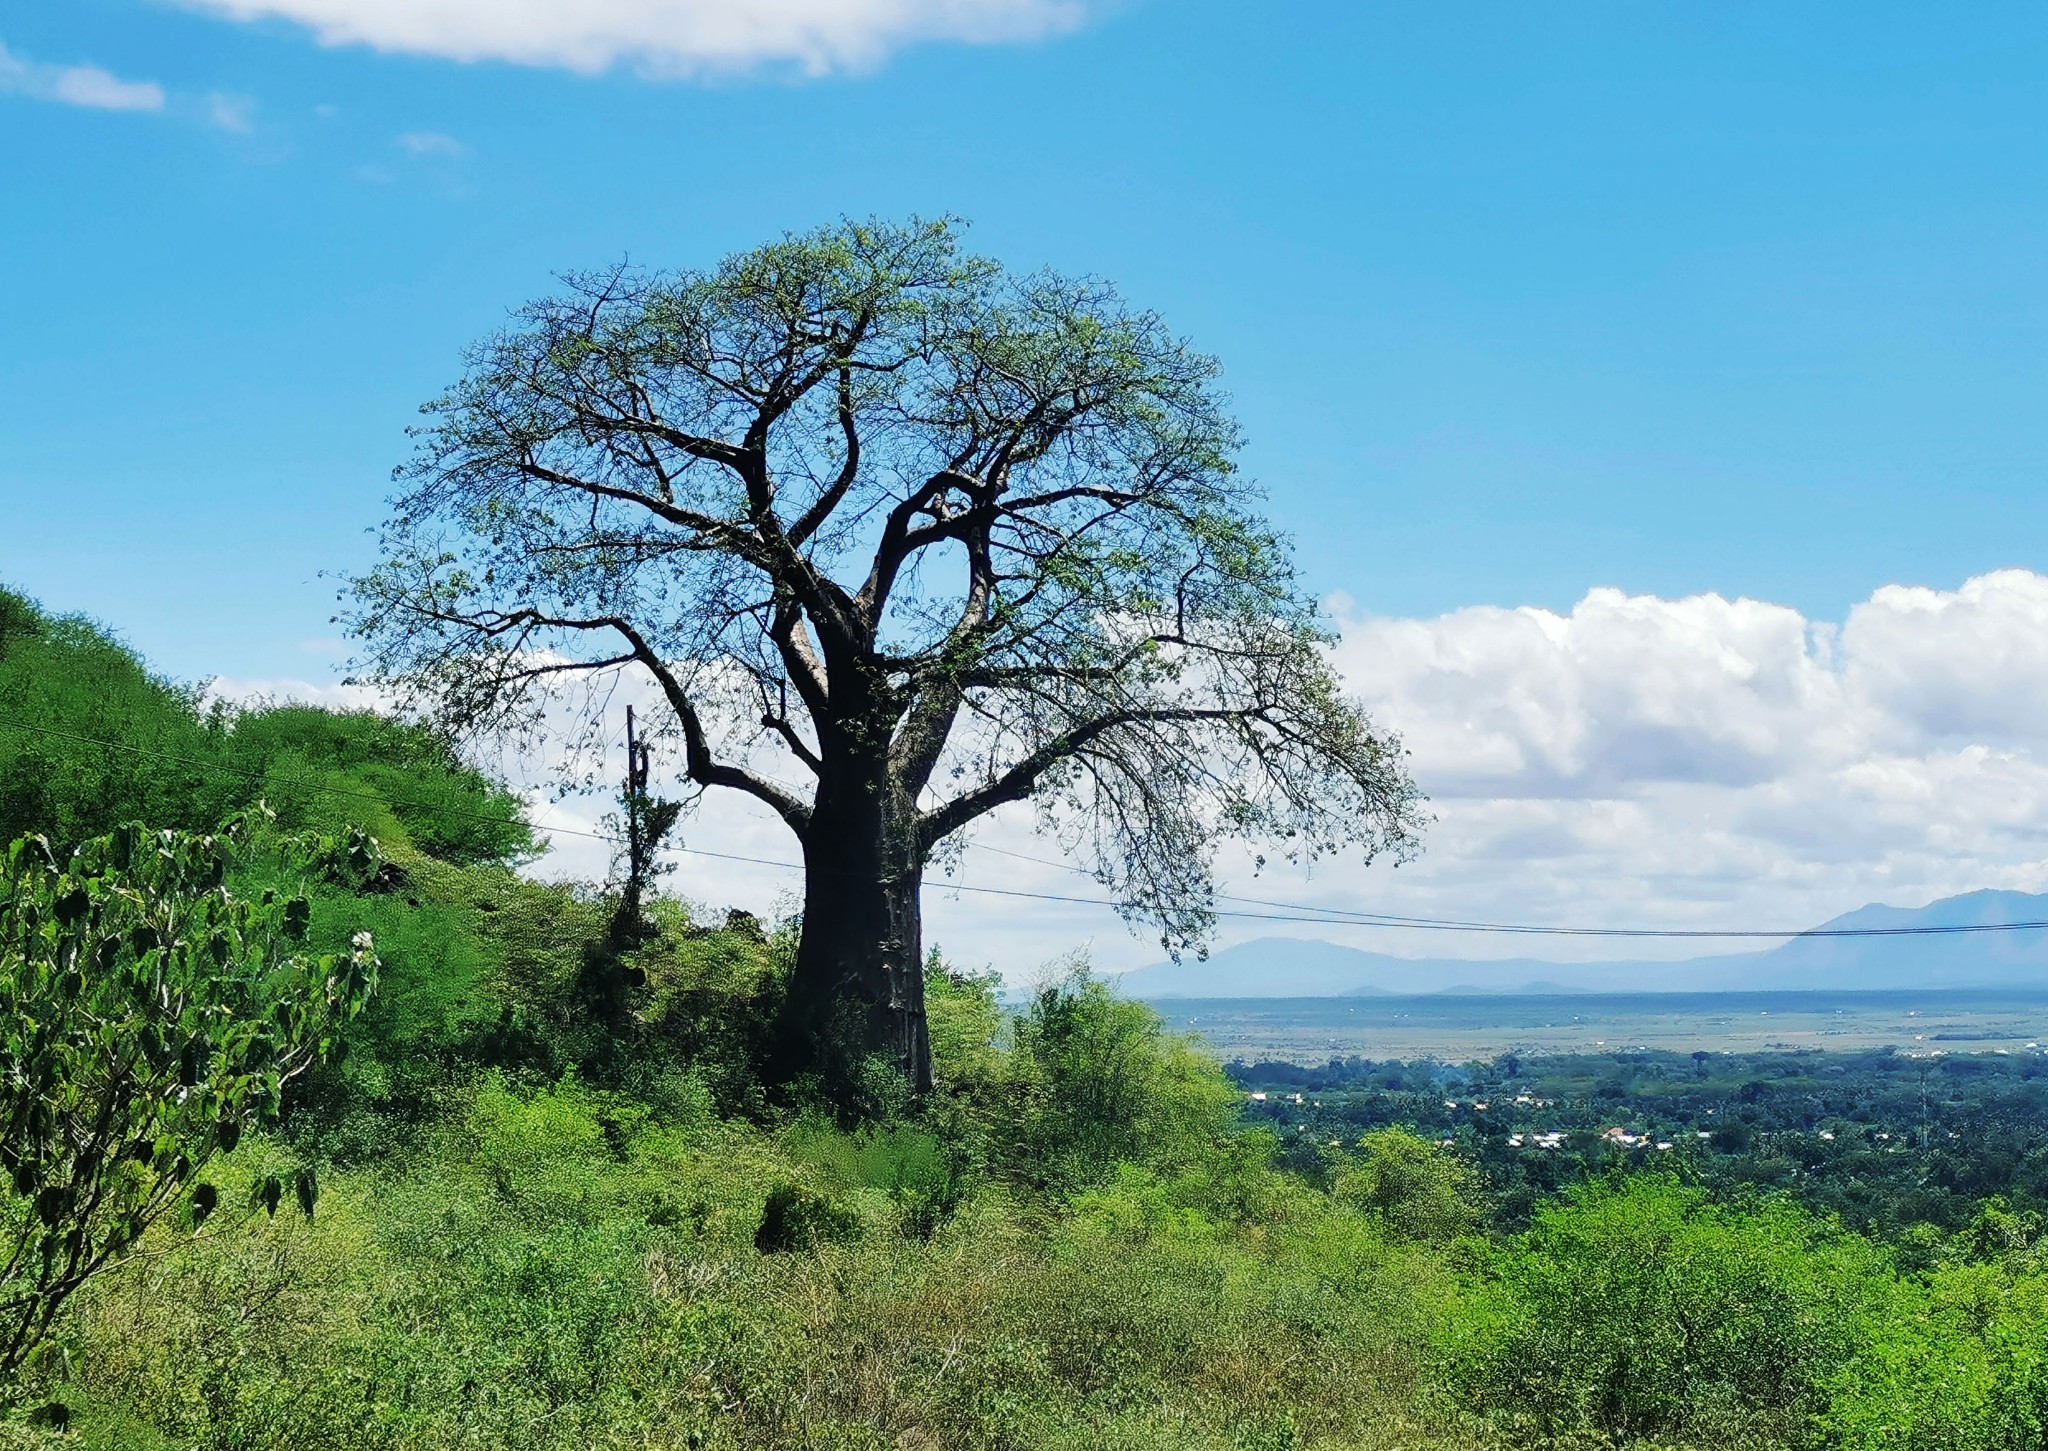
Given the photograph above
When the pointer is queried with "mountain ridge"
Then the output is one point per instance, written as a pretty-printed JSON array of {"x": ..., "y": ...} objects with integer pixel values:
[{"x": 1281, "y": 967}]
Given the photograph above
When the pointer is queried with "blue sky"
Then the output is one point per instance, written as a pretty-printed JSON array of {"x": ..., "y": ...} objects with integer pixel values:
[
  {"x": 1517, "y": 302},
  {"x": 1514, "y": 299}
]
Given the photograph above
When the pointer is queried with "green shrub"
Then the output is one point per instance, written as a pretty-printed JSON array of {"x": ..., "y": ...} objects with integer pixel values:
[
  {"x": 1416, "y": 1189},
  {"x": 1094, "y": 1080},
  {"x": 331, "y": 768},
  {"x": 91, "y": 739},
  {"x": 1959, "y": 1362},
  {"x": 965, "y": 1020},
  {"x": 148, "y": 1018},
  {"x": 795, "y": 1217},
  {"x": 66, "y": 685},
  {"x": 566, "y": 1266},
  {"x": 926, "y": 1181},
  {"x": 1642, "y": 1310}
]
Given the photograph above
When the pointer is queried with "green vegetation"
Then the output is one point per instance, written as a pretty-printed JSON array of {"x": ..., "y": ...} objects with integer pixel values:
[
  {"x": 1891, "y": 1143},
  {"x": 147, "y": 1018},
  {"x": 546, "y": 1222},
  {"x": 902, "y": 536}
]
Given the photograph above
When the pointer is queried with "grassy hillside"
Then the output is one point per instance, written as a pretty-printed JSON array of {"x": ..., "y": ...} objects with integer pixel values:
[{"x": 547, "y": 1225}]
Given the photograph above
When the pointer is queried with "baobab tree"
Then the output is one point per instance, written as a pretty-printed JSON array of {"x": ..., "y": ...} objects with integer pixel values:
[{"x": 900, "y": 537}]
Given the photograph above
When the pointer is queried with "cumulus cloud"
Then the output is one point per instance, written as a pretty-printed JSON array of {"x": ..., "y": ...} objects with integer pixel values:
[
  {"x": 660, "y": 37},
  {"x": 1967, "y": 664},
  {"x": 1624, "y": 689},
  {"x": 1707, "y": 761},
  {"x": 77, "y": 85},
  {"x": 1630, "y": 691}
]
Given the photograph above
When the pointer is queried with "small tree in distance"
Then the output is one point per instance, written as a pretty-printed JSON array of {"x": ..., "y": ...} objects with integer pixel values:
[{"x": 901, "y": 537}]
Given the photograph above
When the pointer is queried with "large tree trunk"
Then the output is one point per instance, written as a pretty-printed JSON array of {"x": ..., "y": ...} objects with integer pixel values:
[{"x": 857, "y": 989}]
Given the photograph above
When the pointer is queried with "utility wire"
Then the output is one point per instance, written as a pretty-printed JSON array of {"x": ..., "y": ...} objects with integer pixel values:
[
  {"x": 1351, "y": 917},
  {"x": 1363, "y": 918},
  {"x": 1333, "y": 917}
]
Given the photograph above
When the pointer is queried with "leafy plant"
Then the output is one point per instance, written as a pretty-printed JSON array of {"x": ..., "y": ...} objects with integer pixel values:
[
  {"x": 1641, "y": 1309},
  {"x": 798, "y": 1218},
  {"x": 1960, "y": 1363},
  {"x": 1415, "y": 1189},
  {"x": 1098, "y": 1080},
  {"x": 90, "y": 738},
  {"x": 147, "y": 1016}
]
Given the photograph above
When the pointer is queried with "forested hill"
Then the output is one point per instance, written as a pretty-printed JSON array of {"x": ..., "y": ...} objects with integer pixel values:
[
  {"x": 89, "y": 737},
  {"x": 542, "y": 1192}
]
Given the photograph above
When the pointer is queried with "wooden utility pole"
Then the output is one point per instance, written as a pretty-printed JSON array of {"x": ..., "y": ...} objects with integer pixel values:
[
  {"x": 609, "y": 976},
  {"x": 638, "y": 761}
]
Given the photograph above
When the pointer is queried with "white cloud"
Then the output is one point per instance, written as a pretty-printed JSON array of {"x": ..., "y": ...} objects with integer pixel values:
[
  {"x": 95, "y": 89},
  {"x": 1624, "y": 689},
  {"x": 1703, "y": 762},
  {"x": 1629, "y": 691},
  {"x": 77, "y": 85},
  {"x": 431, "y": 143},
  {"x": 660, "y": 37},
  {"x": 1971, "y": 664}
]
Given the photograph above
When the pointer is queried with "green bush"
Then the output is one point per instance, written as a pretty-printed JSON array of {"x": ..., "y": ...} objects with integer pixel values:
[
  {"x": 965, "y": 1020},
  {"x": 925, "y": 1179},
  {"x": 564, "y": 1266},
  {"x": 795, "y": 1217},
  {"x": 1642, "y": 1310},
  {"x": 1959, "y": 1362},
  {"x": 148, "y": 1018},
  {"x": 89, "y": 738},
  {"x": 1093, "y": 1080},
  {"x": 327, "y": 768},
  {"x": 66, "y": 687},
  {"x": 1414, "y": 1188}
]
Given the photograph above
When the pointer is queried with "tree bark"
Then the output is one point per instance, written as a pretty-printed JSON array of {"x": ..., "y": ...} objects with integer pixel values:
[{"x": 857, "y": 988}]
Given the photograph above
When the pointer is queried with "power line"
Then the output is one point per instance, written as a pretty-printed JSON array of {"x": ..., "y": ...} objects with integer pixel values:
[
  {"x": 1353, "y": 917},
  {"x": 1347, "y": 914},
  {"x": 1327, "y": 917},
  {"x": 1427, "y": 924}
]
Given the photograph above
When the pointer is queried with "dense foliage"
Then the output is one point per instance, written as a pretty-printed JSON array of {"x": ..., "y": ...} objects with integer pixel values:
[
  {"x": 547, "y": 1224},
  {"x": 90, "y": 739},
  {"x": 1891, "y": 1142}
]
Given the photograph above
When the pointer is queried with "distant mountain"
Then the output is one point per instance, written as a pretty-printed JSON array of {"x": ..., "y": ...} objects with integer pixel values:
[
  {"x": 1299, "y": 967},
  {"x": 1280, "y": 967},
  {"x": 1968, "y": 959}
]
